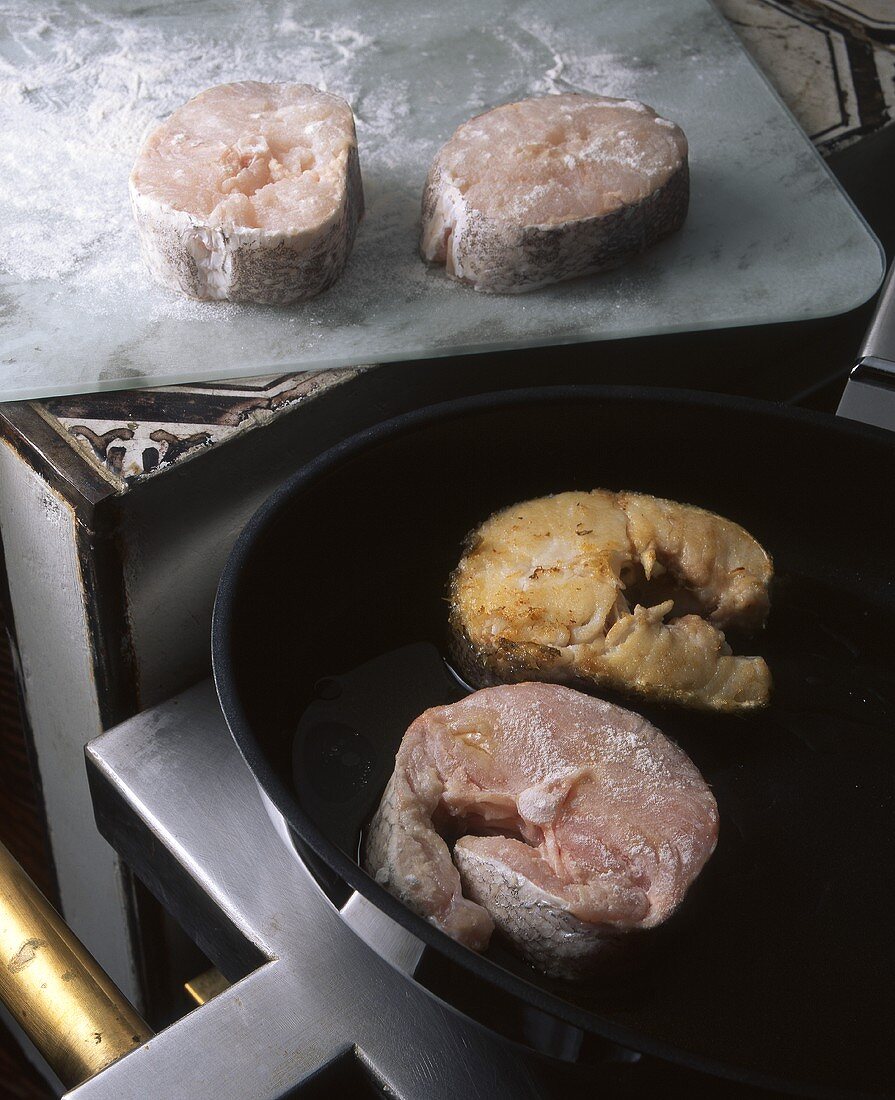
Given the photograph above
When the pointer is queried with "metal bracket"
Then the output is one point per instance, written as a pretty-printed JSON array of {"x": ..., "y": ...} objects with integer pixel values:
[
  {"x": 870, "y": 394},
  {"x": 870, "y": 391},
  {"x": 309, "y": 990}
]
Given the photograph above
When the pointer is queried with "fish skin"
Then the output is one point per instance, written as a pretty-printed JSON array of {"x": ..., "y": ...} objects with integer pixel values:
[
  {"x": 538, "y": 594},
  {"x": 405, "y": 855},
  {"x": 509, "y": 254},
  {"x": 539, "y": 924},
  {"x": 195, "y": 247},
  {"x": 591, "y": 824}
]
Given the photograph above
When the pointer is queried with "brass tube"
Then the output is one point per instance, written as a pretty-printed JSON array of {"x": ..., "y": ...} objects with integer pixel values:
[
  {"x": 75, "y": 1016},
  {"x": 206, "y": 985}
]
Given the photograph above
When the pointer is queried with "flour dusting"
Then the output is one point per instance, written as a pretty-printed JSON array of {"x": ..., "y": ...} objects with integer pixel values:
[
  {"x": 585, "y": 68},
  {"x": 81, "y": 81}
]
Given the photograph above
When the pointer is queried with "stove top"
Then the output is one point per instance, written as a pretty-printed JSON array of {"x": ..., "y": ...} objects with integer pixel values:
[{"x": 323, "y": 1000}]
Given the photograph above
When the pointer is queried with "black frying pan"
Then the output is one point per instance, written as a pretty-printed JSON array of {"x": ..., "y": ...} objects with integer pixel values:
[{"x": 777, "y": 969}]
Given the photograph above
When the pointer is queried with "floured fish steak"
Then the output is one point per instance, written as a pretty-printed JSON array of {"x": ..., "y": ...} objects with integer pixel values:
[
  {"x": 618, "y": 590},
  {"x": 250, "y": 192},
  {"x": 551, "y": 188},
  {"x": 577, "y": 821}
]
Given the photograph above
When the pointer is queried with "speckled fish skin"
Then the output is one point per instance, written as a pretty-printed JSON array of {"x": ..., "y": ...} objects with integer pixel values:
[
  {"x": 250, "y": 192},
  {"x": 592, "y": 824},
  {"x": 552, "y": 188},
  {"x": 542, "y": 590}
]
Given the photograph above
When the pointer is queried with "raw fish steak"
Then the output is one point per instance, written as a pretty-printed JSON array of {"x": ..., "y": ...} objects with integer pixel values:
[
  {"x": 551, "y": 188},
  {"x": 575, "y": 821},
  {"x": 615, "y": 590},
  {"x": 250, "y": 192}
]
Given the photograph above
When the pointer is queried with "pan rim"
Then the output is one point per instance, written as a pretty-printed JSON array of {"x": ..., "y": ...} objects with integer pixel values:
[{"x": 287, "y": 804}]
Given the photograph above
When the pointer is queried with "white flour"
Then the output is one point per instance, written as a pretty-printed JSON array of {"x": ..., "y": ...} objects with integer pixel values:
[
  {"x": 79, "y": 89},
  {"x": 578, "y": 70}
]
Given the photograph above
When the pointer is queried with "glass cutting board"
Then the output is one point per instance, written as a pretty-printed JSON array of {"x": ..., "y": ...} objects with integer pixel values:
[{"x": 770, "y": 235}]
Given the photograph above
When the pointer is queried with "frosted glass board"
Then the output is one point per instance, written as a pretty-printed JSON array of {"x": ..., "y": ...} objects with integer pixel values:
[{"x": 770, "y": 235}]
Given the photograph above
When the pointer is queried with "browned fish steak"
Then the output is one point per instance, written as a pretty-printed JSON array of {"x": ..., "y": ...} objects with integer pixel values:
[{"x": 619, "y": 590}]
